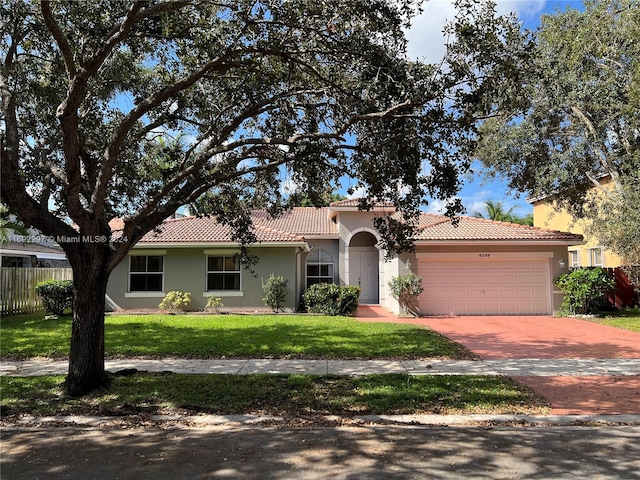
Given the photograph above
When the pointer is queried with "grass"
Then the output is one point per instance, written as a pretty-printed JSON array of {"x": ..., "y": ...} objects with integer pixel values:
[
  {"x": 273, "y": 395},
  {"x": 628, "y": 319},
  {"x": 231, "y": 336}
]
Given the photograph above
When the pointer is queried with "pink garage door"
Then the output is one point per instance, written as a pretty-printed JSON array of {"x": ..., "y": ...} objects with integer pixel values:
[{"x": 485, "y": 287}]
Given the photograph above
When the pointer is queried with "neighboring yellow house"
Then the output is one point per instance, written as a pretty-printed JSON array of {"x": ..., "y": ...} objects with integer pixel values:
[{"x": 545, "y": 215}]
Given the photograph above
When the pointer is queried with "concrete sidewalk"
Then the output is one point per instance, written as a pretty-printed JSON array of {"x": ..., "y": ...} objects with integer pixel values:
[{"x": 530, "y": 367}]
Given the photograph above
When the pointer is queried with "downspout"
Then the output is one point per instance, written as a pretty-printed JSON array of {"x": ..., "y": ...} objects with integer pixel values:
[{"x": 300, "y": 273}]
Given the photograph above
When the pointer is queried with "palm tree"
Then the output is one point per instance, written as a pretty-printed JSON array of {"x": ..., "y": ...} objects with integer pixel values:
[{"x": 496, "y": 211}]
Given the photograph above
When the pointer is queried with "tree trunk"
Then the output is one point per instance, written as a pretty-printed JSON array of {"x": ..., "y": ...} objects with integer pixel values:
[{"x": 86, "y": 356}]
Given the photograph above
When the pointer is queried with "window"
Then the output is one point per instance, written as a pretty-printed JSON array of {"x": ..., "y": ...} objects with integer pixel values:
[
  {"x": 223, "y": 273},
  {"x": 146, "y": 273},
  {"x": 319, "y": 268},
  {"x": 596, "y": 257},
  {"x": 13, "y": 262},
  {"x": 574, "y": 258}
]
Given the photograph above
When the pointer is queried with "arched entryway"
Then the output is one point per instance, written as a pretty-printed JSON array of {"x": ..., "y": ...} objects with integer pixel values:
[{"x": 364, "y": 261}]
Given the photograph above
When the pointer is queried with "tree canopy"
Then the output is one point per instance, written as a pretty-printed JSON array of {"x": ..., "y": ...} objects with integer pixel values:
[
  {"x": 132, "y": 109},
  {"x": 576, "y": 120}
]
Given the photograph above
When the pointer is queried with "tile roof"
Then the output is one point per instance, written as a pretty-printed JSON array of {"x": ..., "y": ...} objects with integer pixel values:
[
  {"x": 31, "y": 248},
  {"x": 291, "y": 226},
  {"x": 439, "y": 227},
  {"x": 302, "y": 223}
]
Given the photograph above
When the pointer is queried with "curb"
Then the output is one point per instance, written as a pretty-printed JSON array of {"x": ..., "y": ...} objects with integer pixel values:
[{"x": 203, "y": 421}]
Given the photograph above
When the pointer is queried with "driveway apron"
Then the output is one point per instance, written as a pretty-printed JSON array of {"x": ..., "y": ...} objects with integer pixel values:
[{"x": 543, "y": 337}]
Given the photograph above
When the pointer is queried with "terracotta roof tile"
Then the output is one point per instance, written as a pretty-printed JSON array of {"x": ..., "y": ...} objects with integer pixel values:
[
  {"x": 291, "y": 226},
  {"x": 308, "y": 222},
  {"x": 470, "y": 228},
  {"x": 303, "y": 221}
]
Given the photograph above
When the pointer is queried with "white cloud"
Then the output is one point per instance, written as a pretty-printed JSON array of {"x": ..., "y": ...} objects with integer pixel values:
[
  {"x": 288, "y": 186},
  {"x": 476, "y": 206},
  {"x": 437, "y": 206},
  {"x": 359, "y": 192},
  {"x": 426, "y": 40}
]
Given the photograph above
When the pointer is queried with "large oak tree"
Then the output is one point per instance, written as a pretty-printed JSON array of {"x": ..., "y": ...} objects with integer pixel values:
[
  {"x": 114, "y": 108},
  {"x": 577, "y": 122}
]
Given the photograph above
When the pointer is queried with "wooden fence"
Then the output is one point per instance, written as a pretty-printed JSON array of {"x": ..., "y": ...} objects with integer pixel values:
[
  {"x": 17, "y": 288},
  {"x": 623, "y": 295}
]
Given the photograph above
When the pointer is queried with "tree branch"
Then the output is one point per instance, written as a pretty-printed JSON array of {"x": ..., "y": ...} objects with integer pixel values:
[
  {"x": 113, "y": 151},
  {"x": 59, "y": 37}
]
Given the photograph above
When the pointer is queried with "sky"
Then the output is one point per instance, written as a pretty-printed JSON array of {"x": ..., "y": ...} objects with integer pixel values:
[{"x": 426, "y": 42}]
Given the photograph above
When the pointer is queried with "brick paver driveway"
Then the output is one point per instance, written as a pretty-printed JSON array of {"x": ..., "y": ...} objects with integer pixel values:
[
  {"x": 549, "y": 337},
  {"x": 509, "y": 337},
  {"x": 499, "y": 337}
]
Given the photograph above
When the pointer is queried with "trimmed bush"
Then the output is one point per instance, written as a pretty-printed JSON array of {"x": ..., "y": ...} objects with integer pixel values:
[
  {"x": 275, "y": 292},
  {"x": 585, "y": 290},
  {"x": 175, "y": 300},
  {"x": 56, "y": 295},
  {"x": 215, "y": 304},
  {"x": 406, "y": 289},
  {"x": 332, "y": 299}
]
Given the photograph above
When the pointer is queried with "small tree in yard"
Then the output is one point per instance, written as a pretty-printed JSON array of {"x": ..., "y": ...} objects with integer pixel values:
[
  {"x": 406, "y": 289},
  {"x": 585, "y": 290},
  {"x": 275, "y": 291},
  {"x": 147, "y": 106}
]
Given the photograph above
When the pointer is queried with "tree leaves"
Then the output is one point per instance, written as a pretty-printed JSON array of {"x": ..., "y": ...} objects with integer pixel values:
[
  {"x": 573, "y": 125},
  {"x": 140, "y": 109}
]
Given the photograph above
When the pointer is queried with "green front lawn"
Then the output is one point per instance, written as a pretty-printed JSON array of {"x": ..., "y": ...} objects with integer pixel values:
[
  {"x": 231, "y": 336},
  {"x": 628, "y": 319},
  {"x": 274, "y": 395}
]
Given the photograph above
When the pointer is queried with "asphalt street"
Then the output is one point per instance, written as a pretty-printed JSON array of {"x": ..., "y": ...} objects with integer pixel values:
[{"x": 317, "y": 452}]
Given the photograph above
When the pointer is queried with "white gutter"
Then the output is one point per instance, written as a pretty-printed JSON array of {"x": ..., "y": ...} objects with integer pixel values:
[
  {"x": 540, "y": 242},
  {"x": 148, "y": 245},
  {"x": 31, "y": 253}
]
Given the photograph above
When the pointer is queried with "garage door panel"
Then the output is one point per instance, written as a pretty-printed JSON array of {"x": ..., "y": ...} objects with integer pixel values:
[
  {"x": 491, "y": 279},
  {"x": 465, "y": 287}
]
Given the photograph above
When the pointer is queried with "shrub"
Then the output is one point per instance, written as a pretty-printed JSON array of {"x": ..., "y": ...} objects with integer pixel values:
[
  {"x": 332, "y": 299},
  {"x": 406, "y": 289},
  {"x": 214, "y": 303},
  {"x": 175, "y": 300},
  {"x": 56, "y": 295},
  {"x": 585, "y": 290},
  {"x": 275, "y": 292}
]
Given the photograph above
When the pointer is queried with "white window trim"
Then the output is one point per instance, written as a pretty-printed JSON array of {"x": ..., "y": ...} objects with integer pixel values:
[
  {"x": 577, "y": 255},
  {"x": 221, "y": 293},
  {"x": 319, "y": 263},
  {"x": 591, "y": 257},
  {"x": 145, "y": 293}
]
